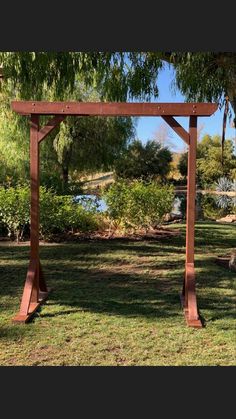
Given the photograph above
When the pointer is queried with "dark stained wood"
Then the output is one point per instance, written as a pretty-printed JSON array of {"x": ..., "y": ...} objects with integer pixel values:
[
  {"x": 177, "y": 128},
  {"x": 28, "y": 288},
  {"x": 35, "y": 291},
  {"x": 189, "y": 292},
  {"x": 189, "y": 298},
  {"x": 33, "y": 307},
  {"x": 34, "y": 177},
  {"x": 113, "y": 108},
  {"x": 35, "y": 285},
  {"x": 191, "y": 190},
  {"x": 52, "y": 123}
]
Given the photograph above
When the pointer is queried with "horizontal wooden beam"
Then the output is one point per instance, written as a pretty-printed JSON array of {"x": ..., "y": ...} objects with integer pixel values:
[
  {"x": 177, "y": 128},
  {"x": 113, "y": 108}
]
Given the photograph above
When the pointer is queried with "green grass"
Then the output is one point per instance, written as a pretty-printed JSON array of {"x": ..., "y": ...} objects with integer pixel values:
[{"x": 116, "y": 303}]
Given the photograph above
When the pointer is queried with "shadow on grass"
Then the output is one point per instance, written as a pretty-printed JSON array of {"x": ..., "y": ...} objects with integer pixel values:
[
  {"x": 129, "y": 294},
  {"x": 127, "y": 278},
  {"x": 136, "y": 294}
]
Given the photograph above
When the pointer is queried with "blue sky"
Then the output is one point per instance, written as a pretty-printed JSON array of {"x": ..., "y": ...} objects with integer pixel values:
[{"x": 146, "y": 126}]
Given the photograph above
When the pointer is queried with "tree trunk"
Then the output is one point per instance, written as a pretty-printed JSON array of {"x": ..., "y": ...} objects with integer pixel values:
[{"x": 65, "y": 178}]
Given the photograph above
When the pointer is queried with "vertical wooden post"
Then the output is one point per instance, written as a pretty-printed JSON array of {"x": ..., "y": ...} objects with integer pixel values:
[
  {"x": 34, "y": 205},
  {"x": 191, "y": 190},
  {"x": 189, "y": 293},
  {"x": 35, "y": 290}
]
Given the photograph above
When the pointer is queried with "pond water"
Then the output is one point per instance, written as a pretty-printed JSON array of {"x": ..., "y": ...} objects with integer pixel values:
[
  {"x": 177, "y": 206},
  {"x": 222, "y": 201},
  {"x": 101, "y": 206},
  {"x": 88, "y": 201}
]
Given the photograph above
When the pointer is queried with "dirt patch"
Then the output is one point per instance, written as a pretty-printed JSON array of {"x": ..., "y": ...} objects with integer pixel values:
[
  {"x": 117, "y": 235},
  {"x": 10, "y": 243},
  {"x": 155, "y": 234}
]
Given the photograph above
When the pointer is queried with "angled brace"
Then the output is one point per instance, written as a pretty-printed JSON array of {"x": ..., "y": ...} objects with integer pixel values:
[
  {"x": 177, "y": 128},
  {"x": 50, "y": 126}
]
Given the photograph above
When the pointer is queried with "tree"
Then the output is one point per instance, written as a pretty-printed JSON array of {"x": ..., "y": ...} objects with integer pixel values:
[
  {"x": 116, "y": 75},
  {"x": 206, "y": 76},
  {"x": 144, "y": 161},
  {"x": 183, "y": 164},
  {"x": 78, "y": 145},
  {"x": 122, "y": 75},
  {"x": 13, "y": 149},
  {"x": 90, "y": 144},
  {"x": 209, "y": 164}
]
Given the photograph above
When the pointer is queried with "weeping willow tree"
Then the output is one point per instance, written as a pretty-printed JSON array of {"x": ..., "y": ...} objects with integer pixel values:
[
  {"x": 208, "y": 76},
  {"x": 79, "y": 145},
  {"x": 85, "y": 145},
  {"x": 116, "y": 76},
  {"x": 91, "y": 143},
  {"x": 13, "y": 145},
  {"x": 121, "y": 75}
]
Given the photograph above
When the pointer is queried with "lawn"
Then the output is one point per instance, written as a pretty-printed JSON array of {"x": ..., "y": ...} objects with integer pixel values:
[{"x": 116, "y": 302}]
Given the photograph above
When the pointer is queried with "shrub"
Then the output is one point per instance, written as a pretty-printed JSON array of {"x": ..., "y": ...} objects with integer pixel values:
[
  {"x": 220, "y": 205},
  {"x": 210, "y": 209},
  {"x": 58, "y": 214},
  {"x": 61, "y": 214},
  {"x": 15, "y": 210},
  {"x": 225, "y": 201},
  {"x": 138, "y": 204}
]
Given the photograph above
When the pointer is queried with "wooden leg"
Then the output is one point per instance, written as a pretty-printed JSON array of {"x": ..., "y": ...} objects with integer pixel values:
[
  {"x": 35, "y": 290},
  {"x": 188, "y": 298},
  {"x": 32, "y": 296}
]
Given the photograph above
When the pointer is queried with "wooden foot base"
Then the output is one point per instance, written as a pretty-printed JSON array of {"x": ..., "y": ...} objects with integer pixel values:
[
  {"x": 197, "y": 323},
  {"x": 20, "y": 318}
]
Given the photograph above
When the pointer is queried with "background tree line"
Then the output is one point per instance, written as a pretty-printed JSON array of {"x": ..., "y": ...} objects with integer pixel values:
[{"x": 103, "y": 144}]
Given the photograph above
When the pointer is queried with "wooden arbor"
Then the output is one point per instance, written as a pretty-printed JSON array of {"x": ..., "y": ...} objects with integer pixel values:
[{"x": 35, "y": 289}]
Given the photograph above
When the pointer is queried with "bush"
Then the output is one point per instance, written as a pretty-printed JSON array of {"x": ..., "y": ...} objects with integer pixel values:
[
  {"x": 58, "y": 214},
  {"x": 61, "y": 214},
  {"x": 221, "y": 204},
  {"x": 210, "y": 208},
  {"x": 138, "y": 204},
  {"x": 15, "y": 210}
]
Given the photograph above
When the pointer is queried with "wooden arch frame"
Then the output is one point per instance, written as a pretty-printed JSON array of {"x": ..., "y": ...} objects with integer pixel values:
[{"x": 35, "y": 289}]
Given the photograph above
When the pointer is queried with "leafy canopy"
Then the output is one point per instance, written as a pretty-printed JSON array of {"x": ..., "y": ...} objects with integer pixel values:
[
  {"x": 209, "y": 163},
  {"x": 145, "y": 161}
]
